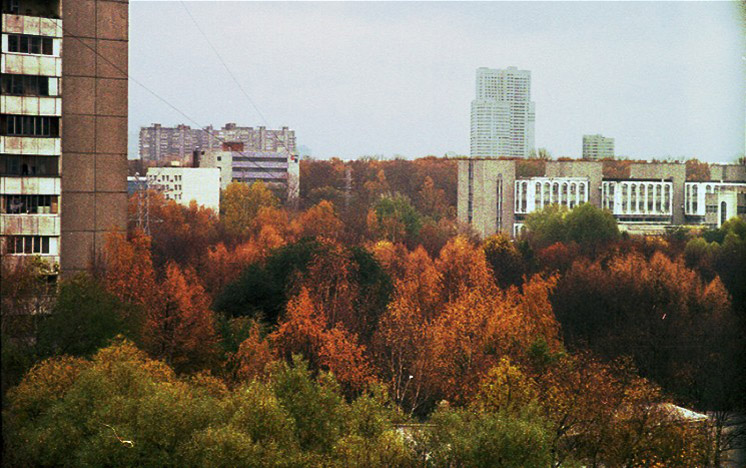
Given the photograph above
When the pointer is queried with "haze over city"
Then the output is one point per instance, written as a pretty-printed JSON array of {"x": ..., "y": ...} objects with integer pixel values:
[{"x": 664, "y": 79}]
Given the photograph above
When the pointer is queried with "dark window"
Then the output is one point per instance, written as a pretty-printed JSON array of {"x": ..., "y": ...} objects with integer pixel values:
[
  {"x": 29, "y": 204},
  {"x": 29, "y": 125},
  {"x": 24, "y": 44},
  {"x": 25, "y": 85},
  {"x": 23, "y": 165},
  {"x": 27, "y": 244}
]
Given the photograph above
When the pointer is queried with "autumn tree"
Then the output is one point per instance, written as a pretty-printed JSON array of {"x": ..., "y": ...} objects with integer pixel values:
[
  {"x": 179, "y": 325},
  {"x": 697, "y": 170},
  {"x": 432, "y": 201},
  {"x": 241, "y": 204},
  {"x": 318, "y": 221},
  {"x": 463, "y": 267},
  {"x": 673, "y": 324},
  {"x": 129, "y": 268}
]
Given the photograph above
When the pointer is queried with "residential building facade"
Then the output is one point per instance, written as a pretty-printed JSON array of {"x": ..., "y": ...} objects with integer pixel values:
[
  {"x": 187, "y": 184},
  {"x": 597, "y": 147},
  {"x": 162, "y": 144},
  {"x": 493, "y": 195},
  {"x": 279, "y": 170},
  {"x": 63, "y": 158},
  {"x": 502, "y": 114}
]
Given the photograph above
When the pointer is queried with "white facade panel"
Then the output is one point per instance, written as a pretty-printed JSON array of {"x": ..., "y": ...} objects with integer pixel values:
[
  {"x": 538, "y": 192},
  {"x": 32, "y": 25},
  {"x": 30, "y": 145},
  {"x": 30, "y": 224},
  {"x": 184, "y": 184},
  {"x": 638, "y": 198},
  {"x": 30, "y": 186},
  {"x": 31, "y": 105},
  {"x": 695, "y": 194},
  {"x": 26, "y": 64}
]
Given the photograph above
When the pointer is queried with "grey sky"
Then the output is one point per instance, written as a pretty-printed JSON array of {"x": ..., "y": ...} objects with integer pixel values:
[{"x": 662, "y": 78}]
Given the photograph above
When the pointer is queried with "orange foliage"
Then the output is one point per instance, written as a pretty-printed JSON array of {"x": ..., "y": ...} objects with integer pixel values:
[
  {"x": 483, "y": 324},
  {"x": 179, "y": 326},
  {"x": 300, "y": 332},
  {"x": 305, "y": 331},
  {"x": 253, "y": 356},
  {"x": 344, "y": 357},
  {"x": 129, "y": 268},
  {"x": 463, "y": 267},
  {"x": 318, "y": 221}
]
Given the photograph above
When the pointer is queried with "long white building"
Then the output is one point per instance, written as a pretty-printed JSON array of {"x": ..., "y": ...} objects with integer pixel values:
[
  {"x": 497, "y": 195},
  {"x": 502, "y": 115}
]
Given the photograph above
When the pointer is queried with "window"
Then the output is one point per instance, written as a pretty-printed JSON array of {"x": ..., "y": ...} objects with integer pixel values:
[
  {"x": 29, "y": 204},
  {"x": 25, "y": 85},
  {"x": 22, "y": 165},
  {"x": 29, "y": 125},
  {"x": 27, "y": 244},
  {"x": 24, "y": 44}
]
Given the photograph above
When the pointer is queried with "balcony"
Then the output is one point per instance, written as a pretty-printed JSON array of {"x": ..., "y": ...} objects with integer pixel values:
[
  {"x": 31, "y": 105},
  {"x": 30, "y": 145},
  {"x": 30, "y": 224}
]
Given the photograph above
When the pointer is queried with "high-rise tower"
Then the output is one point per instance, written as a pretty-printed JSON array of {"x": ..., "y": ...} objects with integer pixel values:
[
  {"x": 502, "y": 115},
  {"x": 63, "y": 150}
]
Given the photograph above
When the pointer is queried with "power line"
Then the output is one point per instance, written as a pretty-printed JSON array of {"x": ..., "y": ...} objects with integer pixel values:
[
  {"x": 220, "y": 58},
  {"x": 163, "y": 100},
  {"x": 233, "y": 77}
]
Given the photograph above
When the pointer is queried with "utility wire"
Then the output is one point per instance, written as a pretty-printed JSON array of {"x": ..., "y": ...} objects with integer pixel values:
[
  {"x": 163, "y": 100},
  {"x": 233, "y": 77},
  {"x": 225, "y": 65}
]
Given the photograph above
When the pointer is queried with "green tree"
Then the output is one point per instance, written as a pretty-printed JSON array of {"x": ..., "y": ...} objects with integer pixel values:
[
  {"x": 396, "y": 219},
  {"x": 590, "y": 226},
  {"x": 464, "y": 437},
  {"x": 84, "y": 319}
]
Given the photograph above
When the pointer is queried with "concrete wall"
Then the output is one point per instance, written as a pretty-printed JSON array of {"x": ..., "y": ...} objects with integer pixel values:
[
  {"x": 593, "y": 170},
  {"x": 94, "y": 127},
  {"x": 728, "y": 172}
]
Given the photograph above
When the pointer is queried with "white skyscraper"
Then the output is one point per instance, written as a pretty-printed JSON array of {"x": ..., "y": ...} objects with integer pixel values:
[{"x": 502, "y": 115}]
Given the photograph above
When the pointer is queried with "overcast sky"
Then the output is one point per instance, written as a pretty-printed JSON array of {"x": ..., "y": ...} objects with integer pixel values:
[{"x": 393, "y": 78}]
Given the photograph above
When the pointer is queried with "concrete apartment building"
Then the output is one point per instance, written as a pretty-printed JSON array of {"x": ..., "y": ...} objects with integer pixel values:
[
  {"x": 597, "y": 147},
  {"x": 502, "y": 114},
  {"x": 163, "y": 144},
  {"x": 493, "y": 196},
  {"x": 187, "y": 184},
  {"x": 279, "y": 170},
  {"x": 63, "y": 155}
]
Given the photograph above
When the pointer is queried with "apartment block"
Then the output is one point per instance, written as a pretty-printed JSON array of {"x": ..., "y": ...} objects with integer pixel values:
[
  {"x": 186, "y": 184},
  {"x": 164, "y": 144},
  {"x": 597, "y": 147},
  {"x": 279, "y": 170},
  {"x": 63, "y": 155},
  {"x": 493, "y": 195},
  {"x": 502, "y": 114}
]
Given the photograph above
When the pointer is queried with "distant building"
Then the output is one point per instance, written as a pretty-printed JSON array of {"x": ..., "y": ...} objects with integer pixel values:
[
  {"x": 162, "y": 144},
  {"x": 279, "y": 170},
  {"x": 493, "y": 197},
  {"x": 502, "y": 115},
  {"x": 184, "y": 184},
  {"x": 597, "y": 147}
]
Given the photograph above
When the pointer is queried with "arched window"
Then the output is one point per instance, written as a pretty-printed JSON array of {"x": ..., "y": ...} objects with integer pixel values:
[{"x": 723, "y": 213}]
